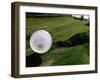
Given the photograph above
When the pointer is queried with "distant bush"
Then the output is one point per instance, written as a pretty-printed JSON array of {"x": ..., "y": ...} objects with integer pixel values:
[
  {"x": 42, "y": 15},
  {"x": 87, "y": 24}
]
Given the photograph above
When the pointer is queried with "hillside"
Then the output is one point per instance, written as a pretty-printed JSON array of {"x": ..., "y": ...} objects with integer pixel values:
[{"x": 70, "y": 41}]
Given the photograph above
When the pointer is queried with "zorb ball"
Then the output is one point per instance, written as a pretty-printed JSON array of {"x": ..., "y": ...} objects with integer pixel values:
[{"x": 40, "y": 41}]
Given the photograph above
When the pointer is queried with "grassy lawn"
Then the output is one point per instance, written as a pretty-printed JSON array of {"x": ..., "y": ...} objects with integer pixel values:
[{"x": 61, "y": 28}]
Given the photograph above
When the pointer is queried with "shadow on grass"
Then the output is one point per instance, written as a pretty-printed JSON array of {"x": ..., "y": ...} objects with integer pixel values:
[
  {"x": 33, "y": 60},
  {"x": 75, "y": 40}
]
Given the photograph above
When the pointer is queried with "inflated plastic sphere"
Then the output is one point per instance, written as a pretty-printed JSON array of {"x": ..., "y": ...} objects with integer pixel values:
[{"x": 40, "y": 41}]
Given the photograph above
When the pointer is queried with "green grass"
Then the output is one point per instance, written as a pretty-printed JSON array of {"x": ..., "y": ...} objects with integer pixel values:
[
  {"x": 73, "y": 55},
  {"x": 61, "y": 28},
  {"x": 67, "y": 56}
]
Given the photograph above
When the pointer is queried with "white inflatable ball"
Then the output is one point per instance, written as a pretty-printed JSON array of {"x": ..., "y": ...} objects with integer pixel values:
[{"x": 40, "y": 41}]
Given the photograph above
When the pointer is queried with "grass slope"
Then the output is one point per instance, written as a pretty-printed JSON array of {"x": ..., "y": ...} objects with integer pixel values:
[{"x": 66, "y": 56}]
